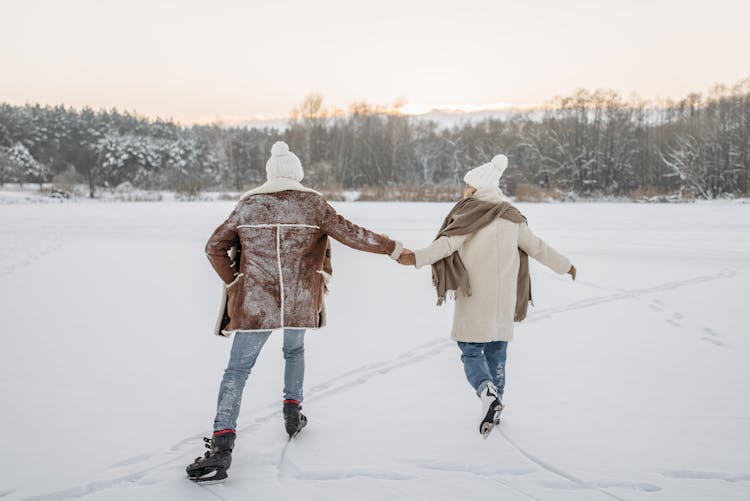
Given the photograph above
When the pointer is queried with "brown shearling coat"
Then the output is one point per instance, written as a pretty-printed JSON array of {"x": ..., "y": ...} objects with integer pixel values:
[{"x": 283, "y": 238}]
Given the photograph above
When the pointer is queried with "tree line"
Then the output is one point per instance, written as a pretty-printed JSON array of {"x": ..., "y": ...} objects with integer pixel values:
[{"x": 592, "y": 143}]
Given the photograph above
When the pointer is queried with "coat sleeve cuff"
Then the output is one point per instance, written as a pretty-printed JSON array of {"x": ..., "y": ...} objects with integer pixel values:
[
  {"x": 564, "y": 266},
  {"x": 397, "y": 250},
  {"x": 421, "y": 258}
]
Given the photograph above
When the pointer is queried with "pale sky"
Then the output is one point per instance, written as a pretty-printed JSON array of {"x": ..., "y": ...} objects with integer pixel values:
[{"x": 205, "y": 60}]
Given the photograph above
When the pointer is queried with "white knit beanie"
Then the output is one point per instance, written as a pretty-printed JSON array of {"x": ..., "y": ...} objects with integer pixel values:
[
  {"x": 283, "y": 163},
  {"x": 487, "y": 175}
]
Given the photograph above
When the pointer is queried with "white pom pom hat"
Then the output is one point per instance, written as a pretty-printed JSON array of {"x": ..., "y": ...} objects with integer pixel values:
[
  {"x": 487, "y": 175},
  {"x": 283, "y": 163}
]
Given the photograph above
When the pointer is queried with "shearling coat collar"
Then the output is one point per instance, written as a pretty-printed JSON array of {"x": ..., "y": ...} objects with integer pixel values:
[{"x": 276, "y": 185}]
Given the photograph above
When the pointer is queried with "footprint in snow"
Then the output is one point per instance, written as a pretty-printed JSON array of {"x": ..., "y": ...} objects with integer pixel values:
[
  {"x": 714, "y": 341},
  {"x": 675, "y": 319},
  {"x": 710, "y": 332},
  {"x": 713, "y": 337},
  {"x": 656, "y": 305}
]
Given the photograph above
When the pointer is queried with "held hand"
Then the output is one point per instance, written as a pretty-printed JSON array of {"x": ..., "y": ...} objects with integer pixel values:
[
  {"x": 407, "y": 258},
  {"x": 572, "y": 271}
]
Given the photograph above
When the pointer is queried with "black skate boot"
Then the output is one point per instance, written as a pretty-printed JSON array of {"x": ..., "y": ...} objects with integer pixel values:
[
  {"x": 497, "y": 414},
  {"x": 212, "y": 467},
  {"x": 294, "y": 420},
  {"x": 491, "y": 409}
]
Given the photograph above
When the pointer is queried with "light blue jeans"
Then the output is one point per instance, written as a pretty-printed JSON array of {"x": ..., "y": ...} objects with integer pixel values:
[
  {"x": 245, "y": 351},
  {"x": 483, "y": 363}
]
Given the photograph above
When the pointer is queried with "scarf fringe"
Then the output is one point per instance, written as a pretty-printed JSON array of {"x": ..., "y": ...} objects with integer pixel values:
[{"x": 452, "y": 294}]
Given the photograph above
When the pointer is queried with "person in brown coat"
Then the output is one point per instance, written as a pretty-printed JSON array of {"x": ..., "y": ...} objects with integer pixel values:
[{"x": 280, "y": 232}]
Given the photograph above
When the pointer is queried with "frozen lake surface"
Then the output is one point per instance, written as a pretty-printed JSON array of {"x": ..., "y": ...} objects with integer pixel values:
[{"x": 630, "y": 383}]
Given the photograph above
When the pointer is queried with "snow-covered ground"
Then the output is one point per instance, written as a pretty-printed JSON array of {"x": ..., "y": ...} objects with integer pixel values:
[{"x": 630, "y": 383}]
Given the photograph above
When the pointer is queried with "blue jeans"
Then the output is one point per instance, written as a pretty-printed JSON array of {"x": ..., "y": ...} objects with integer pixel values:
[
  {"x": 245, "y": 351},
  {"x": 483, "y": 363}
]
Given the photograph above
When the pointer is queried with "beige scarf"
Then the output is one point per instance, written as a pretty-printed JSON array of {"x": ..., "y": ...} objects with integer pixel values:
[{"x": 468, "y": 216}]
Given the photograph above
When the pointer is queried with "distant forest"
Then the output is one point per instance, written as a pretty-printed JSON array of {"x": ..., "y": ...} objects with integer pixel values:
[{"x": 589, "y": 144}]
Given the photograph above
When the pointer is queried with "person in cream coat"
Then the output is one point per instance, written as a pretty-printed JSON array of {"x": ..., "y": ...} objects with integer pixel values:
[{"x": 488, "y": 236}]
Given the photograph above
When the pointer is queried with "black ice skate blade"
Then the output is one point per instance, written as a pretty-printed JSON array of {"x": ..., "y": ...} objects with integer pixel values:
[
  {"x": 208, "y": 482},
  {"x": 209, "y": 477},
  {"x": 486, "y": 428},
  {"x": 497, "y": 415},
  {"x": 488, "y": 425}
]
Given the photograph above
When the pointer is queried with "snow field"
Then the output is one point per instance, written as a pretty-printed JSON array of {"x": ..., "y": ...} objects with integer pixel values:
[{"x": 627, "y": 384}]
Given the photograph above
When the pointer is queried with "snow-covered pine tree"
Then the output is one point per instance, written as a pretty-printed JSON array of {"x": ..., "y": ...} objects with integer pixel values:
[{"x": 31, "y": 170}]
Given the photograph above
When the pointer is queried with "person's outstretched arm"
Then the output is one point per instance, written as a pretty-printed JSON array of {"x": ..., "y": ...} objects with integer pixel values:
[
  {"x": 357, "y": 237},
  {"x": 223, "y": 238},
  {"x": 437, "y": 250},
  {"x": 539, "y": 250}
]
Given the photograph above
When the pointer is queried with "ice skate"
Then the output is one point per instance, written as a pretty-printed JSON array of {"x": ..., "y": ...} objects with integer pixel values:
[{"x": 212, "y": 467}]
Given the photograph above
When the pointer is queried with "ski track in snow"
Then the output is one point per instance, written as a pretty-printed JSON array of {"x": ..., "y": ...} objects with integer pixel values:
[
  {"x": 602, "y": 484},
  {"x": 554, "y": 469},
  {"x": 478, "y": 470},
  {"x": 296, "y": 473},
  {"x": 133, "y": 460},
  {"x": 515, "y": 489},
  {"x": 335, "y": 385},
  {"x": 211, "y": 491},
  {"x": 28, "y": 257},
  {"x": 490, "y": 473},
  {"x": 706, "y": 475},
  {"x": 93, "y": 487},
  {"x": 362, "y": 375},
  {"x": 280, "y": 465}
]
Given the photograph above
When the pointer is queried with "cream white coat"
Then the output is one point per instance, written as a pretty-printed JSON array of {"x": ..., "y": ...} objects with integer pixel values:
[{"x": 490, "y": 256}]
